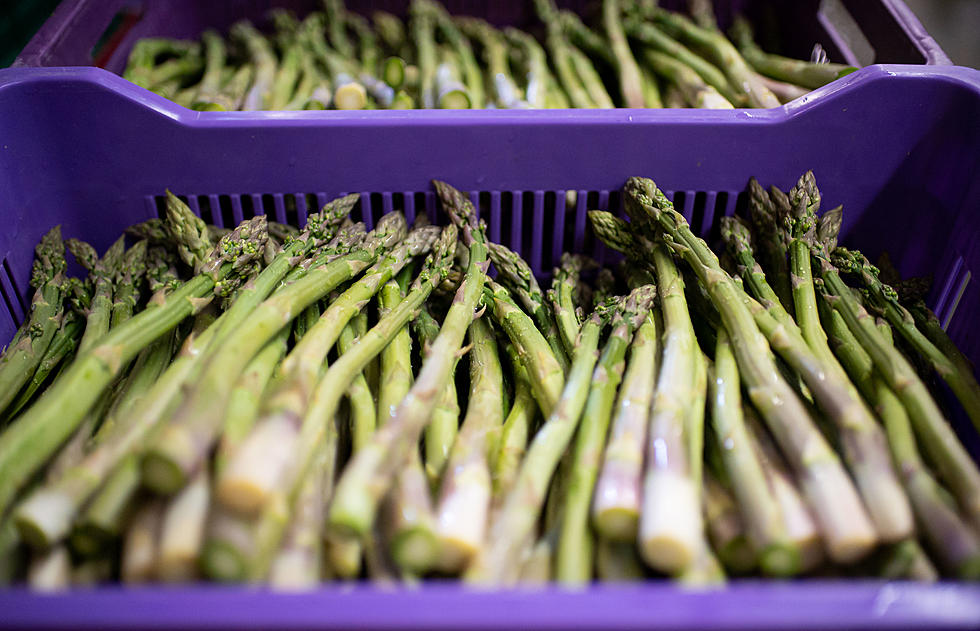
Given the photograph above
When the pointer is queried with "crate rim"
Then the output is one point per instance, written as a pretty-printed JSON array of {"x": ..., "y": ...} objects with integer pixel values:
[
  {"x": 962, "y": 75},
  {"x": 751, "y": 604}
]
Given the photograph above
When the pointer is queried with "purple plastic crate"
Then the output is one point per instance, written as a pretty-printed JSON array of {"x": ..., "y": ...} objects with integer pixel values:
[
  {"x": 858, "y": 32},
  {"x": 899, "y": 146}
]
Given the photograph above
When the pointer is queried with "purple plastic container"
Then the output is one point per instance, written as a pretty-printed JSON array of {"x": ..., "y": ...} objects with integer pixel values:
[
  {"x": 858, "y": 32},
  {"x": 899, "y": 146}
]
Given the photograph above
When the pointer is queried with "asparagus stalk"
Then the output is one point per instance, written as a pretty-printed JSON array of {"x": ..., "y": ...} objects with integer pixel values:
[
  {"x": 670, "y": 525},
  {"x": 58, "y": 356},
  {"x": 139, "y": 553},
  {"x": 940, "y": 442},
  {"x": 648, "y": 34},
  {"x": 506, "y": 93},
  {"x": 764, "y": 522},
  {"x": 264, "y": 61},
  {"x": 336, "y": 15},
  {"x": 545, "y": 373},
  {"x": 317, "y": 422},
  {"x": 559, "y": 48},
  {"x": 722, "y": 53},
  {"x": 769, "y": 215},
  {"x": 369, "y": 472},
  {"x": 423, "y": 33},
  {"x": 247, "y": 489},
  {"x": 807, "y": 74},
  {"x": 208, "y": 97},
  {"x": 630, "y": 80},
  {"x": 726, "y": 530},
  {"x": 515, "y": 274},
  {"x": 617, "y": 495},
  {"x": 472, "y": 75},
  {"x": 848, "y": 533},
  {"x": 182, "y": 531},
  {"x": 586, "y": 39},
  {"x": 28, "y": 444},
  {"x": 78, "y": 483},
  {"x": 21, "y": 359},
  {"x": 883, "y": 299},
  {"x": 363, "y": 409},
  {"x": 516, "y": 429},
  {"x": 562, "y": 297},
  {"x": 391, "y": 30},
  {"x": 864, "y": 443},
  {"x": 514, "y": 525},
  {"x": 411, "y": 526},
  {"x": 184, "y": 443},
  {"x": 538, "y": 81},
  {"x": 442, "y": 429},
  {"x": 695, "y": 90},
  {"x": 464, "y": 497},
  {"x": 591, "y": 80},
  {"x": 948, "y": 534},
  {"x": 573, "y": 564}
]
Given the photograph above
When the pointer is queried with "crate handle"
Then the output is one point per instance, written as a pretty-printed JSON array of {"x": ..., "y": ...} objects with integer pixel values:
[{"x": 68, "y": 36}]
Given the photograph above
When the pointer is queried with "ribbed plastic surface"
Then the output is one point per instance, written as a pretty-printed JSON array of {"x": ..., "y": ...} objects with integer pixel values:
[
  {"x": 898, "y": 146},
  {"x": 858, "y": 32}
]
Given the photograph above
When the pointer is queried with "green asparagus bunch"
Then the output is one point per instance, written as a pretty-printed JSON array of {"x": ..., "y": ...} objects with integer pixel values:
[
  {"x": 372, "y": 403},
  {"x": 633, "y": 55}
]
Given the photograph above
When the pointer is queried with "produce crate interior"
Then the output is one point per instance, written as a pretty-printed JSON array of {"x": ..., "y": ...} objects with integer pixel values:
[{"x": 856, "y": 32}]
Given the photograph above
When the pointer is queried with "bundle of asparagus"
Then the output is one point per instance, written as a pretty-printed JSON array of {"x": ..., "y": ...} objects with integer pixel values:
[
  {"x": 285, "y": 406},
  {"x": 634, "y": 55}
]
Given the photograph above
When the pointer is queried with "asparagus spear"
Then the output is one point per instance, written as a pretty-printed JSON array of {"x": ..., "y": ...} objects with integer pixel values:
[
  {"x": 721, "y": 52},
  {"x": 21, "y": 359},
  {"x": 28, "y": 444},
  {"x": 562, "y": 296},
  {"x": 184, "y": 443},
  {"x": 472, "y": 75},
  {"x": 848, "y": 533},
  {"x": 725, "y": 527},
  {"x": 616, "y": 504},
  {"x": 560, "y": 55},
  {"x": 411, "y": 525},
  {"x": 208, "y": 97},
  {"x": 363, "y": 409},
  {"x": 506, "y": 93},
  {"x": 670, "y": 522},
  {"x": 59, "y": 354},
  {"x": 650, "y": 35},
  {"x": 246, "y": 489},
  {"x": 948, "y": 534},
  {"x": 450, "y": 92},
  {"x": 807, "y": 74},
  {"x": 630, "y": 80},
  {"x": 883, "y": 299},
  {"x": 336, "y": 19},
  {"x": 538, "y": 81},
  {"x": 506, "y": 461},
  {"x": 142, "y": 59},
  {"x": 515, "y": 274},
  {"x": 317, "y": 422},
  {"x": 617, "y": 562},
  {"x": 442, "y": 429},
  {"x": 939, "y": 440},
  {"x": 391, "y": 30},
  {"x": 264, "y": 60},
  {"x": 760, "y": 510},
  {"x": 182, "y": 530},
  {"x": 348, "y": 93},
  {"x": 573, "y": 564},
  {"x": 139, "y": 553},
  {"x": 864, "y": 443},
  {"x": 586, "y": 39},
  {"x": 591, "y": 80},
  {"x": 695, "y": 90},
  {"x": 545, "y": 373},
  {"x": 369, "y": 472},
  {"x": 77, "y": 485},
  {"x": 464, "y": 496},
  {"x": 423, "y": 33},
  {"x": 513, "y": 527}
]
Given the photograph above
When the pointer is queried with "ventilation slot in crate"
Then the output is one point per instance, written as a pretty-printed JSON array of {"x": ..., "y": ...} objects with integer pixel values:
[{"x": 12, "y": 300}]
